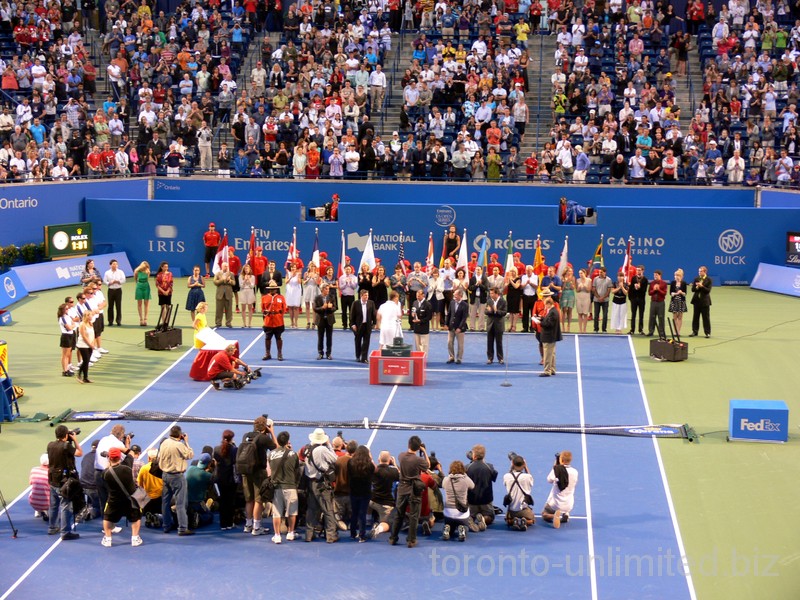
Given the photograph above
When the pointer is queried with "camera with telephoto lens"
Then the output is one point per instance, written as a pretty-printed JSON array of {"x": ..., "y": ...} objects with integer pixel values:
[
  {"x": 512, "y": 455},
  {"x": 249, "y": 376},
  {"x": 558, "y": 457},
  {"x": 470, "y": 456},
  {"x": 339, "y": 434},
  {"x": 131, "y": 435},
  {"x": 76, "y": 431},
  {"x": 422, "y": 449}
]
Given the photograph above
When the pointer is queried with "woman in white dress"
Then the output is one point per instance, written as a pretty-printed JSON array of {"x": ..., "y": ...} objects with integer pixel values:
[
  {"x": 310, "y": 291},
  {"x": 390, "y": 317},
  {"x": 247, "y": 294},
  {"x": 619, "y": 304},
  {"x": 294, "y": 295},
  {"x": 583, "y": 300}
]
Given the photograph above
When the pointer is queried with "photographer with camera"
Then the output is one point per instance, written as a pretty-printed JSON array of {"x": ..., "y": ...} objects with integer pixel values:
[
  {"x": 564, "y": 478},
  {"x": 199, "y": 479},
  {"x": 121, "y": 485},
  {"x": 480, "y": 497},
  {"x": 115, "y": 439},
  {"x": 172, "y": 458},
  {"x": 61, "y": 455},
  {"x": 320, "y": 469},
  {"x": 410, "y": 490},
  {"x": 519, "y": 484},
  {"x": 251, "y": 463},
  {"x": 456, "y": 486},
  {"x": 223, "y": 369},
  {"x": 382, "y": 502}
]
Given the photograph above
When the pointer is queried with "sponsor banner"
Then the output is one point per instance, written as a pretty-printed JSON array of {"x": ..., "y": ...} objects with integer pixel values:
[
  {"x": 730, "y": 242},
  {"x": 67, "y": 272},
  {"x": 26, "y": 209},
  {"x": 779, "y": 279},
  {"x": 759, "y": 420},
  {"x": 11, "y": 289},
  {"x": 780, "y": 199}
]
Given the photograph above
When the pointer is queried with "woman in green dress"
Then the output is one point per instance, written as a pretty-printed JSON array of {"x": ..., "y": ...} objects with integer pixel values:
[
  {"x": 142, "y": 277},
  {"x": 493, "y": 165}
]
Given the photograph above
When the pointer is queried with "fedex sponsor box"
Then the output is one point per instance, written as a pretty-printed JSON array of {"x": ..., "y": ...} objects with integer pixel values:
[{"x": 759, "y": 421}]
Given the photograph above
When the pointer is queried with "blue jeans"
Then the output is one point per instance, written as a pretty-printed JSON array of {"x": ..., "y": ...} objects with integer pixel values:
[
  {"x": 358, "y": 518},
  {"x": 61, "y": 507},
  {"x": 174, "y": 489}
]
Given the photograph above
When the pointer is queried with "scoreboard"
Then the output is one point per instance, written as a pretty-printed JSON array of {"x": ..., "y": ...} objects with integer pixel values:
[
  {"x": 66, "y": 240},
  {"x": 793, "y": 248}
]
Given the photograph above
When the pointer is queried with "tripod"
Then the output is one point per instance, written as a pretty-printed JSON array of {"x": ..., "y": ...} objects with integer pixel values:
[{"x": 8, "y": 515}]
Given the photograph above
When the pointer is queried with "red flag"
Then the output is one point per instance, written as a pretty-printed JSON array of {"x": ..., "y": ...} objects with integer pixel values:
[
  {"x": 252, "y": 252},
  {"x": 628, "y": 270},
  {"x": 538, "y": 260},
  {"x": 292, "y": 254},
  {"x": 444, "y": 251}
]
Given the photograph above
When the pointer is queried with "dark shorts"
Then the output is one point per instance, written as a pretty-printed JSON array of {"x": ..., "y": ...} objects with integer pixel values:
[
  {"x": 99, "y": 325},
  {"x": 211, "y": 252},
  {"x": 223, "y": 375},
  {"x": 164, "y": 299},
  {"x": 236, "y": 287},
  {"x": 114, "y": 514},
  {"x": 269, "y": 332},
  {"x": 251, "y": 485},
  {"x": 67, "y": 340}
]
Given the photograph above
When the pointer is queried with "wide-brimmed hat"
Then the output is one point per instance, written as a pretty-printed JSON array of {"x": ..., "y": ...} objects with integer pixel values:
[{"x": 318, "y": 436}]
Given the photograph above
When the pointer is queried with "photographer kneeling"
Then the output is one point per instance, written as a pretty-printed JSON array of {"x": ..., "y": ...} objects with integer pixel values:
[
  {"x": 223, "y": 368},
  {"x": 564, "y": 478},
  {"x": 519, "y": 484}
]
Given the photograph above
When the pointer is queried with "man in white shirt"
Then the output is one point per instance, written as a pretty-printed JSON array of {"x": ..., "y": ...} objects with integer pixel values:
[
  {"x": 114, "y": 278},
  {"x": 564, "y": 478},
  {"x": 59, "y": 172},
  {"x": 735, "y": 167},
  {"x": 519, "y": 485},
  {"x": 377, "y": 88},
  {"x": 529, "y": 283},
  {"x": 636, "y": 165},
  {"x": 351, "y": 158},
  {"x": 258, "y": 79},
  {"x": 122, "y": 164},
  {"x": 116, "y": 439}
]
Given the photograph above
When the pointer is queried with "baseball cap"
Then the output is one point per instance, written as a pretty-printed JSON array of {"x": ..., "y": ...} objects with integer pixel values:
[{"x": 115, "y": 453}]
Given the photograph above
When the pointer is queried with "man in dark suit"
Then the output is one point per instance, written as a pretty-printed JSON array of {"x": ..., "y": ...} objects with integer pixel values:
[
  {"x": 324, "y": 318},
  {"x": 638, "y": 295},
  {"x": 496, "y": 310},
  {"x": 270, "y": 275},
  {"x": 363, "y": 317},
  {"x": 701, "y": 302},
  {"x": 456, "y": 326},
  {"x": 550, "y": 334},
  {"x": 421, "y": 313}
]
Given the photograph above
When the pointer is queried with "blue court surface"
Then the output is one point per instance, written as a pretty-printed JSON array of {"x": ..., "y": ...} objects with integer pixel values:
[{"x": 621, "y": 542}]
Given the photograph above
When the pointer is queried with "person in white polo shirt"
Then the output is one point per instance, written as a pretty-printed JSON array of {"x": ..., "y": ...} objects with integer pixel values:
[
  {"x": 564, "y": 478},
  {"x": 114, "y": 278}
]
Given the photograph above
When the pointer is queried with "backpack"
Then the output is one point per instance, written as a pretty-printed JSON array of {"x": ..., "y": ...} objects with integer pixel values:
[{"x": 247, "y": 455}]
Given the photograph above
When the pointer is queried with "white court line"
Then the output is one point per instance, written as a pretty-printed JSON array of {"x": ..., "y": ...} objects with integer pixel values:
[
  {"x": 104, "y": 423},
  {"x": 380, "y": 418},
  {"x": 684, "y": 560},
  {"x": 585, "y": 457},
  {"x": 453, "y": 370},
  {"x": 39, "y": 561}
]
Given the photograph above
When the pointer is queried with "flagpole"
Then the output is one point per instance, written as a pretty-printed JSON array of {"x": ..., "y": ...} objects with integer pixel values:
[{"x": 506, "y": 383}]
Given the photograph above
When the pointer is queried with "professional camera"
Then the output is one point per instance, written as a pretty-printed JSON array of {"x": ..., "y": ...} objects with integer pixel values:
[
  {"x": 512, "y": 455},
  {"x": 558, "y": 457},
  {"x": 422, "y": 449},
  {"x": 76, "y": 431},
  {"x": 249, "y": 376},
  {"x": 131, "y": 435},
  {"x": 470, "y": 456}
]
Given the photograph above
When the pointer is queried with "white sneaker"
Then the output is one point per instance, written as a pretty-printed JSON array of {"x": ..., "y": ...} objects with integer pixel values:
[
  {"x": 116, "y": 530},
  {"x": 96, "y": 355},
  {"x": 259, "y": 531},
  {"x": 276, "y": 539},
  {"x": 102, "y": 351},
  {"x": 290, "y": 536},
  {"x": 136, "y": 540},
  {"x": 73, "y": 368},
  {"x": 106, "y": 541}
]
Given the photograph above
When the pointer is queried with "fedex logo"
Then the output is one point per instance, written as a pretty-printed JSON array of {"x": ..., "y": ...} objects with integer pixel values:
[{"x": 762, "y": 425}]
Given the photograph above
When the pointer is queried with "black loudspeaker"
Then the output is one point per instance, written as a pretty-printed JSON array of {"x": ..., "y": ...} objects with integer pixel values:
[
  {"x": 669, "y": 350},
  {"x": 164, "y": 336}
]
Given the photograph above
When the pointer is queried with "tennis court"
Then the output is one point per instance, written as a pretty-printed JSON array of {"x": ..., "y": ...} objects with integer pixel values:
[{"x": 622, "y": 540}]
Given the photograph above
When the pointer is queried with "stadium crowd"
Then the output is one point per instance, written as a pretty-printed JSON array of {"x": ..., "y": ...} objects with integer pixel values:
[{"x": 307, "y": 108}]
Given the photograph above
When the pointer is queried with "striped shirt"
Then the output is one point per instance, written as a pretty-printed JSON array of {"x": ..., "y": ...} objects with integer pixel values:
[{"x": 40, "y": 489}]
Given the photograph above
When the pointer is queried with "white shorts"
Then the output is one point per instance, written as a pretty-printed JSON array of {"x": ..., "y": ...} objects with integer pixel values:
[{"x": 285, "y": 503}]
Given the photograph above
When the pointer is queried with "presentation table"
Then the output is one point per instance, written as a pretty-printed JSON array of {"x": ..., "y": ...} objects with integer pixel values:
[{"x": 397, "y": 370}]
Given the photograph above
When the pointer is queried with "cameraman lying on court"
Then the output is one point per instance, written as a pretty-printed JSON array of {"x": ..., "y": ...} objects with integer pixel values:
[{"x": 223, "y": 369}]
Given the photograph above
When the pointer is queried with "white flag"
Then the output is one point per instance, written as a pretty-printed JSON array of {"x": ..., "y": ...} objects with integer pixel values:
[
  {"x": 562, "y": 262},
  {"x": 462, "y": 255},
  {"x": 369, "y": 255}
]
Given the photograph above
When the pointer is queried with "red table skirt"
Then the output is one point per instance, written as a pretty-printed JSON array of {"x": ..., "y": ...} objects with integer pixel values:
[{"x": 199, "y": 370}]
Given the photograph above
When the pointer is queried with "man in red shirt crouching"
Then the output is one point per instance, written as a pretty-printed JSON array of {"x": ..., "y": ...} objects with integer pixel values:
[{"x": 223, "y": 368}]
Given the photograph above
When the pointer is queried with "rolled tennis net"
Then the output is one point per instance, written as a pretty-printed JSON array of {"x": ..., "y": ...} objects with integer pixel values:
[{"x": 661, "y": 431}]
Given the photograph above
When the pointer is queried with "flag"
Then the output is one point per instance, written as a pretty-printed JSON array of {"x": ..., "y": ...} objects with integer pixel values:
[
  {"x": 627, "y": 264},
  {"x": 429, "y": 258},
  {"x": 222, "y": 253},
  {"x": 509, "y": 253},
  {"x": 315, "y": 252},
  {"x": 597, "y": 259},
  {"x": 368, "y": 258},
  {"x": 562, "y": 262},
  {"x": 341, "y": 258},
  {"x": 483, "y": 255},
  {"x": 463, "y": 259},
  {"x": 444, "y": 251},
  {"x": 401, "y": 256},
  {"x": 538, "y": 260},
  {"x": 291, "y": 255},
  {"x": 252, "y": 252}
]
